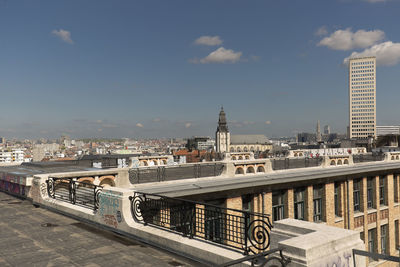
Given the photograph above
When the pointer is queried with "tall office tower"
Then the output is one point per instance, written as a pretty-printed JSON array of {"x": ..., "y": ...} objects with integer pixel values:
[
  {"x": 327, "y": 129},
  {"x": 362, "y": 97},
  {"x": 319, "y": 136},
  {"x": 223, "y": 137}
]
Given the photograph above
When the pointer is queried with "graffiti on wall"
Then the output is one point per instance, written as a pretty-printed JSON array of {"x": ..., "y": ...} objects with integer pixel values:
[
  {"x": 340, "y": 260},
  {"x": 12, "y": 184},
  {"x": 109, "y": 205}
]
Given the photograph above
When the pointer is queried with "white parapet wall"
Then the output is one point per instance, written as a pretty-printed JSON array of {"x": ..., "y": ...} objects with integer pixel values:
[{"x": 316, "y": 244}]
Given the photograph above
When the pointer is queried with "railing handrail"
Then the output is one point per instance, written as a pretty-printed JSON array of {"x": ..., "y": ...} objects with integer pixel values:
[
  {"x": 259, "y": 257},
  {"x": 252, "y": 213},
  {"x": 238, "y": 229},
  {"x": 72, "y": 191}
]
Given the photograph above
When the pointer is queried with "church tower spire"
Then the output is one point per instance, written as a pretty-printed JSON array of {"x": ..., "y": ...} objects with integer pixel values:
[
  {"x": 222, "y": 125},
  {"x": 223, "y": 138}
]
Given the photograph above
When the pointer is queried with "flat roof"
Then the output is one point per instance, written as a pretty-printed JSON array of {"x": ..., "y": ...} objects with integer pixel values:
[
  {"x": 216, "y": 184},
  {"x": 38, "y": 237}
]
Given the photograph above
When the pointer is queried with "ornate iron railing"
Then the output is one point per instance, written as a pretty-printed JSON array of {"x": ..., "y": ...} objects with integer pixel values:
[
  {"x": 78, "y": 193},
  {"x": 238, "y": 229},
  {"x": 266, "y": 258}
]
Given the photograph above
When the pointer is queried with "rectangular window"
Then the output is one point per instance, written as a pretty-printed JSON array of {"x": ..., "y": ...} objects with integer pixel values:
[
  {"x": 371, "y": 241},
  {"x": 370, "y": 192},
  {"x": 337, "y": 199},
  {"x": 317, "y": 200},
  {"x": 396, "y": 232},
  {"x": 278, "y": 206},
  {"x": 382, "y": 189},
  {"x": 299, "y": 203},
  {"x": 356, "y": 194},
  {"x": 384, "y": 233}
]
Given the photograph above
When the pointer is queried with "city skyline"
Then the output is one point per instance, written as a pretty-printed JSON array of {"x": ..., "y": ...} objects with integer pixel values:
[{"x": 134, "y": 69}]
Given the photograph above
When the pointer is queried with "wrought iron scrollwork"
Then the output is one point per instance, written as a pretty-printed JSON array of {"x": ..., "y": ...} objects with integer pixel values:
[
  {"x": 259, "y": 237},
  {"x": 136, "y": 201},
  {"x": 97, "y": 192},
  {"x": 246, "y": 231},
  {"x": 51, "y": 187}
]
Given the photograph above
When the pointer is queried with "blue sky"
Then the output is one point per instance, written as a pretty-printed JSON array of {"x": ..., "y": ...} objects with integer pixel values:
[{"x": 141, "y": 69}]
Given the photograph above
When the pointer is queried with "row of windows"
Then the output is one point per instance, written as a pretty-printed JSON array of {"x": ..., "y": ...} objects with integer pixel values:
[
  {"x": 362, "y": 75},
  {"x": 364, "y": 106},
  {"x": 362, "y": 98},
  {"x": 362, "y": 86},
  {"x": 362, "y": 90},
  {"x": 362, "y": 120},
  {"x": 362, "y": 67},
  {"x": 363, "y": 114},
  {"x": 358, "y": 83},
  {"x": 363, "y": 71},
  {"x": 278, "y": 198},
  {"x": 362, "y": 110},
  {"x": 362, "y": 102},
  {"x": 358, "y": 63},
  {"x": 362, "y": 79},
  {"x": 364, "y": 94}
]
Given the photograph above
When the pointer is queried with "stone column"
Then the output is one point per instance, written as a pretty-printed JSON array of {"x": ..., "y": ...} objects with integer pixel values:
[
  {"x": 309, "y": 207},
  {"x": 391, "y": 245},
  {"x": 289, "y": 206},
  {"x": 329, "y": 204},
  {"x": 378, "y": 215}
]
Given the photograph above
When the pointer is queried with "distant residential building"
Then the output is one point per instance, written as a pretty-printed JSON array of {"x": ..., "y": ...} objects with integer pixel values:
[
  {"x": 385, "y": 130},
  {"x": 306, "y": 137},
  {"x": 200, "y": 143},
  {"x": 13, "y": 155},
  {"x": 362, "y": 97},
  {"x": 327, "y": 129},
  {"x": 2, "y": 140}
]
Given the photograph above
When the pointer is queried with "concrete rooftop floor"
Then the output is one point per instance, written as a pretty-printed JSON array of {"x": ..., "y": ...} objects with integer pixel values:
[{"x": 32, "y": 236}]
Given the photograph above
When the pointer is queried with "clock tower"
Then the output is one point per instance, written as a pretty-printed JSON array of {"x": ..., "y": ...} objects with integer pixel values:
[{"x": 223, "y": 138}]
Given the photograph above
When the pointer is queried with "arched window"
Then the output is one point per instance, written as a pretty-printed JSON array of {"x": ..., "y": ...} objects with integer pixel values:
[
  {"x": 339, "y": 162},
  {"x": 260, "y": 169},
  {"x": 346, "y": 162},
  {"x": 239, "y": 170},
  {"x": 333, "y": 162},
  {"x": 250, "y": 170}
]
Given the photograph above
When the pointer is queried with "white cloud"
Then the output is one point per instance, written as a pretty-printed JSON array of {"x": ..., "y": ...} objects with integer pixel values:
[
  {"x": 221, "y": 55},
  {"x": 268, "y": 122},
  {"x": 347, "y": 40},
  {"x": 63, "y": 35},
  {"x": 139, "y": 125},
  {"x": 387, "y": 53},
  {"x": 188, "y": 125},
  {"x": 208, "y": 40},
  {"x": 321, "y": 31}
]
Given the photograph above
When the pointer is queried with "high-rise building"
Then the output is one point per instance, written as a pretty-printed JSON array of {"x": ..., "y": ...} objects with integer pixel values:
[
  {"x": 362, "y": 97},
  {"x": 223, "y": 139},
  {"x": 319, "y": 136},
  {"x": 327, "y": 129}
]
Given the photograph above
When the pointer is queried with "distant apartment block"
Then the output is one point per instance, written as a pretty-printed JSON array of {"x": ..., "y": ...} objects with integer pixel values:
[{"x": 362, "y": 97}]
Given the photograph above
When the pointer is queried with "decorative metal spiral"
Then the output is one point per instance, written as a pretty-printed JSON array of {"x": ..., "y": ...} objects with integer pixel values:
[
  {"x": 97, "y": 192},
  {"x": 259, "y": 235},
  {"x": 136, "y": 200},
  {"x": 51, "y": 188}
]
